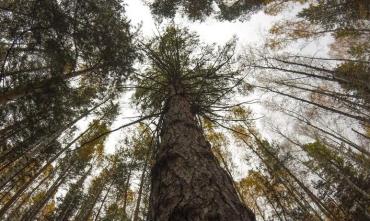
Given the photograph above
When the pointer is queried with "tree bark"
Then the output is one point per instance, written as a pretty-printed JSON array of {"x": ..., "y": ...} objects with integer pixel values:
[
  {"x": 187, "y": 181},
  {"x": 142, "y": 181},
  {"x": 102, "y": 203},
  {"x": 127, "y": 188}
]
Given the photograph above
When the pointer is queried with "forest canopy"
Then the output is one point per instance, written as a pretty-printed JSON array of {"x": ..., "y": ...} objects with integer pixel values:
[{"x": 101, "y": 119}]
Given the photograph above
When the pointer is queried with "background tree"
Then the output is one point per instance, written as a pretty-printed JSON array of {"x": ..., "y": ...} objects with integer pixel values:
[
  {"x": 200, "y": 10},
  {"x": 55, "y": 62}
]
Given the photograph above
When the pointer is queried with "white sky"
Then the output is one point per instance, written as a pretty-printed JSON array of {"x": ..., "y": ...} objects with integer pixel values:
[{"x": 210, "y": 30}]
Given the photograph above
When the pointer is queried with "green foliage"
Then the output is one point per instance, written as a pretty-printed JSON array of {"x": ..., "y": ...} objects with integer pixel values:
[
  {"x": 180, "y": 64},
  {"x": 201, "y": 9},
  {"x": 341, "y": 174},
  {"x": 45, "y": 46},
  {"x": 115, "y": 213},
  {"x": 357, "y": 77},
  {"x": 92, "y": 147},
  {"x": 332, "y": 14}
]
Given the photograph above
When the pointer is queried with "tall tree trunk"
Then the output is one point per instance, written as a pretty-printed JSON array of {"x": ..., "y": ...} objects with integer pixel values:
[
  {"x": 187, "y": 181},
  {"x": 86, "y": 210},
  {"x": 102, "y": 203},
  {"x": 326, "y": 210},
  {"x": 68, "y": 210},
  {"x": 35, "y": 209},
  {"x": 127, "y": 188},
  {"x": 142, "y": 181},
  {"x": 15, "y": 212},
  {"x": 32, "y": 150},
  {"x": 258, "y": 208},
  {"x": 20, "y": 191}
]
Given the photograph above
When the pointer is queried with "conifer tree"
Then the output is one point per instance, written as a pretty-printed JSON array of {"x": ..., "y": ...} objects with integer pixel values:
[{"x": 183, "y": 82}]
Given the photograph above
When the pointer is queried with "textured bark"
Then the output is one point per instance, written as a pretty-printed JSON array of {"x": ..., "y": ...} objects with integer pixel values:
[{"x": 187, "y": 181}]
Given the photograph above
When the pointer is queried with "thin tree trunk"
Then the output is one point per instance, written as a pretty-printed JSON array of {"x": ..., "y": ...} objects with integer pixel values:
[
  {"x": 187, "y": 181},
  {"x": 50, "y": 137},
  {"x": 356, "y": 117},
  {"x": 67, "y": 212},
  {"x": 258, "y": 208},
  {"x": 269, "y": 200},
  {"x": 224, "y": 162},
  {"x": 142, "y": 180},
  {"x": 34, "y": 210},
  {"x": 86, "y": 213},
  {"x": 307, "y": 191},
  {"x": 127, "y": 186},
  {"x": 313, "y": 197},
  {"x": 15, "y": 171},
  {"x": 102, "y": 203},
  {"x": 26, "y": 185},
  {"x": 19, "y": 206},
  {"x": 354, "y": 105}
]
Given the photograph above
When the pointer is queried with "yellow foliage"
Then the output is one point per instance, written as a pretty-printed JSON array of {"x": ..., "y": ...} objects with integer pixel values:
[
  {"x": 48, "y": 170},
  {"x": 274, "y": 44},
  {"x": 216, "y": 138},
  {"x": 279, "y": 188},
  {"x": 39, "y": 196},
  {"x": 208, "y": 125},
  {"x": 240, "y": 132},
  {"x": 5, "y": 198},
  {"x": 68, "y": 68},
  {"x": 287, "y": 31},
  {"x": 367, "y": 129},
  {"x": 274, "y": 7},
  {"x": 91, "y": 144},
  {"x": 348, "y": 44},
  {"x": 362, "y": 9},
  {"x": 99, "y": 149},
  {"x": 240, "y": 112},
  {"x": 130, "y": 196},
  {"x": 252, "y": 184},
  {"x": 49, "y": 209}
]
